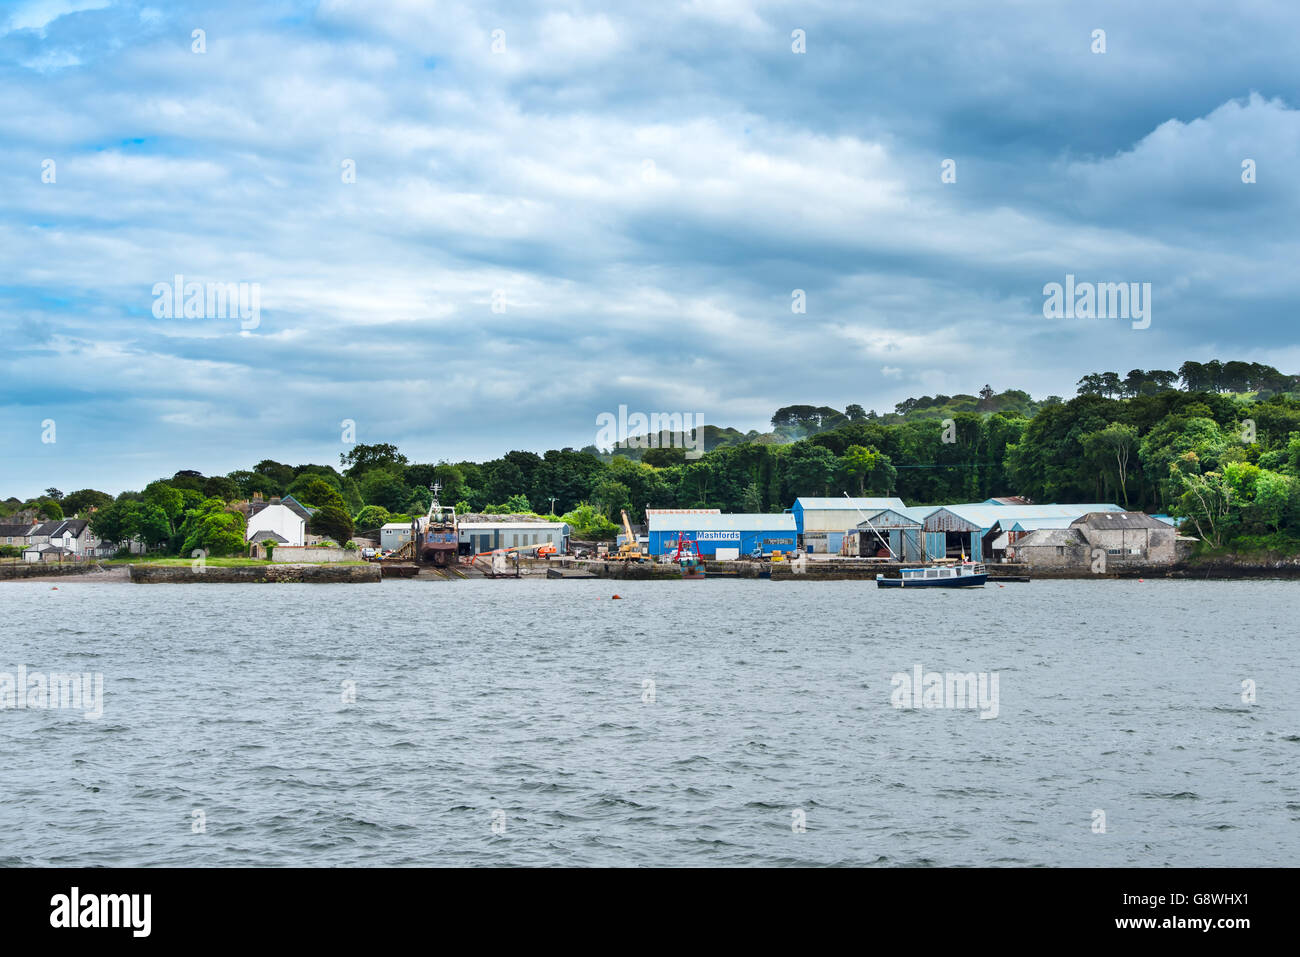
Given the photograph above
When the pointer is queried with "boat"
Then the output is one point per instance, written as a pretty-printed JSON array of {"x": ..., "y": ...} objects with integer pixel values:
[
  {"x": 436, "y": 536},
  {"x": 687, "y": 557},
  {"x": 965, "y": 575}
]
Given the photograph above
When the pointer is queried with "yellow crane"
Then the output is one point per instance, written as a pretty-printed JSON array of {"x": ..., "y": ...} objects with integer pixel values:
[{"x": 629, "y": 551}]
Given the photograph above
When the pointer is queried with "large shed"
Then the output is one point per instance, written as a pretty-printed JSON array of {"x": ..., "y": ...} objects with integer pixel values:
[
  {"x": 747, "y": 533},
  {"x": 481, "y": 537},
  {"x": 821, "y": 523},
  {"x": 893, "y": 533}
]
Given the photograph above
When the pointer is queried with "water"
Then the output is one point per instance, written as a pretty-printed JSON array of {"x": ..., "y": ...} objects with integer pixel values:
[{"x": 524, "y": 700}]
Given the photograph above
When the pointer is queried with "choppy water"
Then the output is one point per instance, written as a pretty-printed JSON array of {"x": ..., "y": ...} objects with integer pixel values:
[{"x": 526, "y": 698}]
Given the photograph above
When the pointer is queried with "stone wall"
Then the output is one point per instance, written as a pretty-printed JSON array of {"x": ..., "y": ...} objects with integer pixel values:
[
  {"x": 254, "y": 574},
  {"x": 47, "y": 569},
  {"x": 313, "y": 553}
]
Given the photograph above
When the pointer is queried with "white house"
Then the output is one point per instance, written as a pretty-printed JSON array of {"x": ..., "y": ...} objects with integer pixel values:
[
  {"x": 73, "y": 535},
  {"x": 280, "y": 519}
]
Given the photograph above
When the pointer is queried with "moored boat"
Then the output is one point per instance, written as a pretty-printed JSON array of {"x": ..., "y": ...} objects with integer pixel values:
[{"x": 965, "y": 575}]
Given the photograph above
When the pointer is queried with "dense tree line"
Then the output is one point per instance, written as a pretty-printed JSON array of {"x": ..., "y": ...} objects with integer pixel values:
[{"x": 1226, "y": 459}]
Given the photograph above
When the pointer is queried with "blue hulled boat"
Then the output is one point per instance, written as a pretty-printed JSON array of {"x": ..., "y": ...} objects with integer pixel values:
[{"x": 965, "y": 575}]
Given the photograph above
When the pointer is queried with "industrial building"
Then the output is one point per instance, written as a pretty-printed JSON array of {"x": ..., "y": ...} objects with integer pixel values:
[
  {"x": 888, "y": 533},
  {"x": 479, "y": 537},
  {"x": 955, "y": 530},
  {"x": 723, "y": 536},
  {"x": 821, "y": 523}
]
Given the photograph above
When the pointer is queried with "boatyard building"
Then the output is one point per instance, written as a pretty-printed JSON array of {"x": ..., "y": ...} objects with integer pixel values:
[{"x": 723, "y": 536}]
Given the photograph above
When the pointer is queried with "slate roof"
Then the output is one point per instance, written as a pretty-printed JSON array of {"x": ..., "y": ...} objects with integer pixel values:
[
  {"x": 1050, "y": 536},
  {"x": 1108, "y": 521}
]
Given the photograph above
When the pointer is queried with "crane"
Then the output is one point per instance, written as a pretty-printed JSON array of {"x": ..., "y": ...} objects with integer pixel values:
[{"x": 629, "y": 551}]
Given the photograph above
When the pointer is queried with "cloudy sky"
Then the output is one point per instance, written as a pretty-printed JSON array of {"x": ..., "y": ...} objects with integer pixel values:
[{"x": 608, "y": 204}]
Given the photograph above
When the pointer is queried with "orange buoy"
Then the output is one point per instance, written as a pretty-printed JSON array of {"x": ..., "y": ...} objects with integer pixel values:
[{"x": 616, "y": 596}]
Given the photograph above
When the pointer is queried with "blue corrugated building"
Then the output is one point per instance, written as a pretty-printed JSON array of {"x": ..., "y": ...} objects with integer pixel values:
[{"x": 748, "y": 533}]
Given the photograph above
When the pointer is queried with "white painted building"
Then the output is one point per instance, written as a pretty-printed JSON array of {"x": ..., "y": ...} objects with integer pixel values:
[{"x": 280, "y": 519}]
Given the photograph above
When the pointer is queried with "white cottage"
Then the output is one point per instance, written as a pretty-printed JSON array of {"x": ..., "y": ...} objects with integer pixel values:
[{"x": 280, "y": 519}]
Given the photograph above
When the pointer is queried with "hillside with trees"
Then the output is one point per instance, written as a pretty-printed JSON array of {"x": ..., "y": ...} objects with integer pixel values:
[{"x": 1215, "y": 443}]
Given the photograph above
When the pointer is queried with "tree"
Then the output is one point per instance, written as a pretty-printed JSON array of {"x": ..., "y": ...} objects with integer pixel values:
[
  {"x": 1203, "y": 500},
  {"x": 113, "y": 523},
  {"x": 220, "y": 486},
  {"x": 384, "y": 488},
  {"x": 363, "y": 458},
  {"x": 169, "y": 499},
  {"x": 332, "y": 521},
  {"x": 48, "y": 509},
  {"x": 855, "y": 413},
  {"x": 83, "y": 500},
  {"x": 1194, "y": 377},
  {"x": 1118, "y": 443},
  {"x": 53, "y": 493},
  {"x": 859, "y": 462},
  {"x": 611, "y": 497},
  {"x": 314, "y": 492},
  {"x": 807, "y": 469},
  {"x": 213, "y": 528},
  {"x": 372, "y": 517}
]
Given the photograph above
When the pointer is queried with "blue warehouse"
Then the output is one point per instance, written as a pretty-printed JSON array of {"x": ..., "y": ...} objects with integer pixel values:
[{"x": 747, "y": 534}]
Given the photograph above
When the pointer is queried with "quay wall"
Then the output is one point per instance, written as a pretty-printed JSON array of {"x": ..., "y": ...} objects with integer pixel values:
[{"x": 253, "y": 574}]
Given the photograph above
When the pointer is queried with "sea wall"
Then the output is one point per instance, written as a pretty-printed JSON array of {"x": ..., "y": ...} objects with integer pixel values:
[
  {"x": 253, "y": 574},
  {"x": 19, "y": 570}
]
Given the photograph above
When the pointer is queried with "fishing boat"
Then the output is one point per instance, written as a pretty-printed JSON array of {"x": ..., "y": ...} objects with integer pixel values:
[
  {"x": 687, "y": 557},
  {"x": 965, "y": 575}
]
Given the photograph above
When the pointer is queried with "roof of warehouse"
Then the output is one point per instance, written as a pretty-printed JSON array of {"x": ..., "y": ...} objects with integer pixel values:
[
  {"x": 985, "y": 515},
  {"x": 526, "y": 526},
  {"x": 843, "y": 503},
  {"x": 1032, "y": 523},
  {"x": 1113, "y": 520},
  {"x": 770, "y": 522}
]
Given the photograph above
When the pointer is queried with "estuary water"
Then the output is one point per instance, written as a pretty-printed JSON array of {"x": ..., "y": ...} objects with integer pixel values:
[{"x": 703, "y": 723}]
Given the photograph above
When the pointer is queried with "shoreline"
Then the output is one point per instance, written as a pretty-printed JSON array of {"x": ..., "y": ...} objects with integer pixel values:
[{"x": 1217, "y": 569}]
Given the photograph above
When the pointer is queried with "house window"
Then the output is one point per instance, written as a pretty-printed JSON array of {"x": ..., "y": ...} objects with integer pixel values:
[{"x": 1060, "y": 549}]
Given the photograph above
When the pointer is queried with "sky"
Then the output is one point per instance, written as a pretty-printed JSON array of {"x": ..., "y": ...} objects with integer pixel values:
[{"x": 475, "y": 227}]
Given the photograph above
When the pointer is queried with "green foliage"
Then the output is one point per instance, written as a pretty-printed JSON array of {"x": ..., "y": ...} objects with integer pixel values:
[
  {"x": 213, "y": 528},
  {"x": 361, "y": 459},
  {"x": 384, "y": 488},
  {"x": 125, "y": 520},
  {"x": 47, "y": 509},
  {"x": 332, "y": 520},
  {"x": 372, "y": 517},
  {"x": 82, "y": 501},
  {"x": 514, "y": 505},
  {"x": 586, "y": 522}
]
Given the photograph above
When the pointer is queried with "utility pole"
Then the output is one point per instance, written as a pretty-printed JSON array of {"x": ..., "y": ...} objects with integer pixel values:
[{"x": 552, "y": 504}]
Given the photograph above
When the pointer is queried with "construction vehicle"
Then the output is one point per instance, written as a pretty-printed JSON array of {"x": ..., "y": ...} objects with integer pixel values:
[{"x": 629, "y": 551}]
